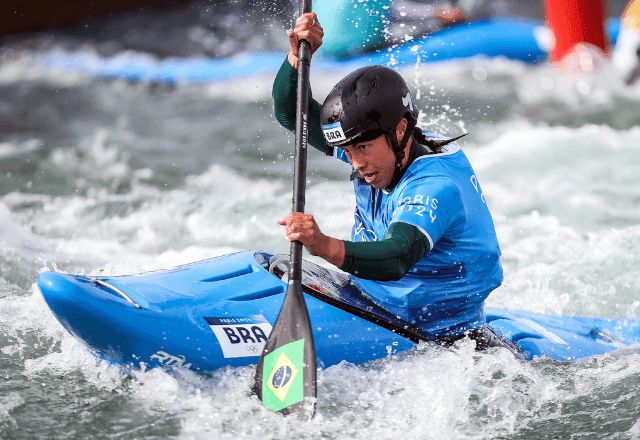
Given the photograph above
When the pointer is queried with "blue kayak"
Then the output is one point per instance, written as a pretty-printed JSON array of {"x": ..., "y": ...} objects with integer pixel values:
[
  {"x": 219, "y": 312},
  {"x": 509, "y": 37}
]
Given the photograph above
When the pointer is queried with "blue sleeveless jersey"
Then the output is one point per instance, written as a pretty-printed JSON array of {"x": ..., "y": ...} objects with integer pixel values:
[{"x": 439, "y": 194}]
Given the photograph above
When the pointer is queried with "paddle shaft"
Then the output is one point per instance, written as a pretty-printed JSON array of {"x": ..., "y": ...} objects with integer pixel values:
[
  {"x": 285, "y": 378},
  {"x": 302, "y": 130}
]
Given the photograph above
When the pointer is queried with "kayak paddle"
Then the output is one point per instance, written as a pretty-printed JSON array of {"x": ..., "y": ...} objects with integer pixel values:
[{"x": 285, "y": 378}]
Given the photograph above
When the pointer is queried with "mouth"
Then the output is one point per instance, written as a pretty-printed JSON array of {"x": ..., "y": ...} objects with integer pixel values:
[{"x": 370, "y": 177}]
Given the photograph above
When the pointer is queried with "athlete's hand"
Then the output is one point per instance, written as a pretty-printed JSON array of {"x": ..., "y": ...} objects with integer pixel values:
[
  {"x": 303, "y": 228},
  {"x": 307, "y": 28}
]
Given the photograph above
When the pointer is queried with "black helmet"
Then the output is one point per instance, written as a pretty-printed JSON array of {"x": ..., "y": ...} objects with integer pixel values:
[{"x": 365, "y": 104}]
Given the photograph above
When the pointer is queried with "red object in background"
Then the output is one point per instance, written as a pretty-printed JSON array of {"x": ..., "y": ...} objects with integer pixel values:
[
  {"x": 450, "y": 15},
  {"x": 576, "y": 21}
]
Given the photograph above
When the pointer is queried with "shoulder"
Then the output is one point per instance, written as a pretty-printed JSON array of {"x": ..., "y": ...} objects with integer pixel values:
[
  {"x": 433, "y": 166},
  {"x": 428, "y": 176},
  {"x": 433, "y": 185}
]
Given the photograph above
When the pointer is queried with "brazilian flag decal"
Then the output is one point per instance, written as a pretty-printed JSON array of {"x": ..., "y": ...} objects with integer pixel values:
[{"x": 282, "y": 383}]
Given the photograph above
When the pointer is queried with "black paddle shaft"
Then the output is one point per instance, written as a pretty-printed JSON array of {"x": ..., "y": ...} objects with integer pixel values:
[
  {"x": 285, "y": 378},
  {"x": 302, "y": 130}
]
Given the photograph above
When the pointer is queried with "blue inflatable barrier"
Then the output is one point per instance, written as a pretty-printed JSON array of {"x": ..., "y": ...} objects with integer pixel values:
[
  {"x": 351, "y": 27},
  {"x": 508, "y": 37}
]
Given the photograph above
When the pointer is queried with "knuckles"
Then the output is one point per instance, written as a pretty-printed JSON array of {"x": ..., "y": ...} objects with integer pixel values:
[
  {"x": 309, "y": 17},
  {"x": 307, "y": 28}
]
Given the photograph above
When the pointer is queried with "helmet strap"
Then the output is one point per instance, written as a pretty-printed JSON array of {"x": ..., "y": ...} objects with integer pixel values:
[{"x": 398, "y": 150}]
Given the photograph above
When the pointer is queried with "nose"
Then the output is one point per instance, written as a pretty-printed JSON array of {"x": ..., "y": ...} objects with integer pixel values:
[{"x": 358, "y": 162}]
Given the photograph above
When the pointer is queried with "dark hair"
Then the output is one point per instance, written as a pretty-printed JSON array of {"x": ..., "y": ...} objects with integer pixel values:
[{"x": 434, "y": 146}]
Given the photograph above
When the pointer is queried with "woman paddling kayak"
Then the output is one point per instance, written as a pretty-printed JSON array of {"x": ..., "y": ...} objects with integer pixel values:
[{"x": 423, "y": 243}]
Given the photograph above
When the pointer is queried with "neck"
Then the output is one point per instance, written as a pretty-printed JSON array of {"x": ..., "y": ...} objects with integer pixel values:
[{"x": 415, "y": 150}]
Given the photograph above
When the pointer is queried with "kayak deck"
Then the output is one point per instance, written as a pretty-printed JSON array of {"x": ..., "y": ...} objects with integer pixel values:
[{"x": 219, "y": 312}]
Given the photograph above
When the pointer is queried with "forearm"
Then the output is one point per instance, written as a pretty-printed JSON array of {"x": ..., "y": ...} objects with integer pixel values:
[
  {"x": 293, "y": 60},
  {"x": 334, "y": 251},
  {"x": 389, "y": 259},
  {"x": 284, "y": 104}
]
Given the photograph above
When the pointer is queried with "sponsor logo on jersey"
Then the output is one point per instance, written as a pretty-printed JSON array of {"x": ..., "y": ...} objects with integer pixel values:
[
  {"x": 240, "y": 336},
  {"x": 421, "y": 204},
  {"x": 333, "y": 132}
]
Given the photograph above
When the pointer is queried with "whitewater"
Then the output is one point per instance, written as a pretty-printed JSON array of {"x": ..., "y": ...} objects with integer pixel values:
[{"x": 106, "y": 176}]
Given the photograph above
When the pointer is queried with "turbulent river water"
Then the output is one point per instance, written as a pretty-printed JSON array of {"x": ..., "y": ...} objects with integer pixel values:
[{"x": 108, "y": 176}]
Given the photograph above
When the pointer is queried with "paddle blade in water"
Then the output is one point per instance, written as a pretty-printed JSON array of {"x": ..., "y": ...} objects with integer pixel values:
[{"x": 285, "y": 378}]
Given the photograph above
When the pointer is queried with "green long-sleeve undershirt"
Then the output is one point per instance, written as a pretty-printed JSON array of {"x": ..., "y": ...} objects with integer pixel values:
[
  {"x": 284, "y": 105},
  {"x": 389, "y": 259},
  {"x": 403, "y": 244}
]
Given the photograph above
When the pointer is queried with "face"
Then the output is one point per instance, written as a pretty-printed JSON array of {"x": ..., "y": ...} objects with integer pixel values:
[{"x": 374, "y": 159}]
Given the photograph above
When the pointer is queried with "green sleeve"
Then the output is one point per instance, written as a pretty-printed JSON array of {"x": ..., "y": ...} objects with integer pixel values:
[
  {"x": 284, "y": 105},
  {"x": 389, "y": 259}
]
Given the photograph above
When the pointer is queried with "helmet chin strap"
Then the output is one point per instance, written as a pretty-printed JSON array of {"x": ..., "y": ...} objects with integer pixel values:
[{"x": 398, "y": 150}]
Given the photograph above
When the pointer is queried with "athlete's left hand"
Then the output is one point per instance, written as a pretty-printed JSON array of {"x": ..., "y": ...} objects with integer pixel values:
[{"x": 303, "y": 228}]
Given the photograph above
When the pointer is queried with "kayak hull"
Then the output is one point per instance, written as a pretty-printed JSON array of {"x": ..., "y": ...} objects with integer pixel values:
[{"x": 219, "y": 312}]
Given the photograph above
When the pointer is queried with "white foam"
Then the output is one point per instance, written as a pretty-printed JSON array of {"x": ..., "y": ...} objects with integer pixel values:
[{"x": 455, "y": 388}]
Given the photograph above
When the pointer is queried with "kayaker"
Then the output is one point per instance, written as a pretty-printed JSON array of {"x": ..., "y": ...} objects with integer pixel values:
[{"x": 423, "y": 244}]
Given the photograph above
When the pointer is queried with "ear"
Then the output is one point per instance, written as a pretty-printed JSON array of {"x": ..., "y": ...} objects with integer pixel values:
[{"x": 400, "y": 130}]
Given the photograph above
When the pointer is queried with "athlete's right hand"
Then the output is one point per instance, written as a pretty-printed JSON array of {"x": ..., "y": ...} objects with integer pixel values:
[
  {"x": 303, "y": 228},
  {"x": 307, "y": 28}
]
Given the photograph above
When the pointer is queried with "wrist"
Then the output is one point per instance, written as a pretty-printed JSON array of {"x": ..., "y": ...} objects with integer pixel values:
[
  {"x": 333, "y": 251},
  {"x": 293, "y": 60}
]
